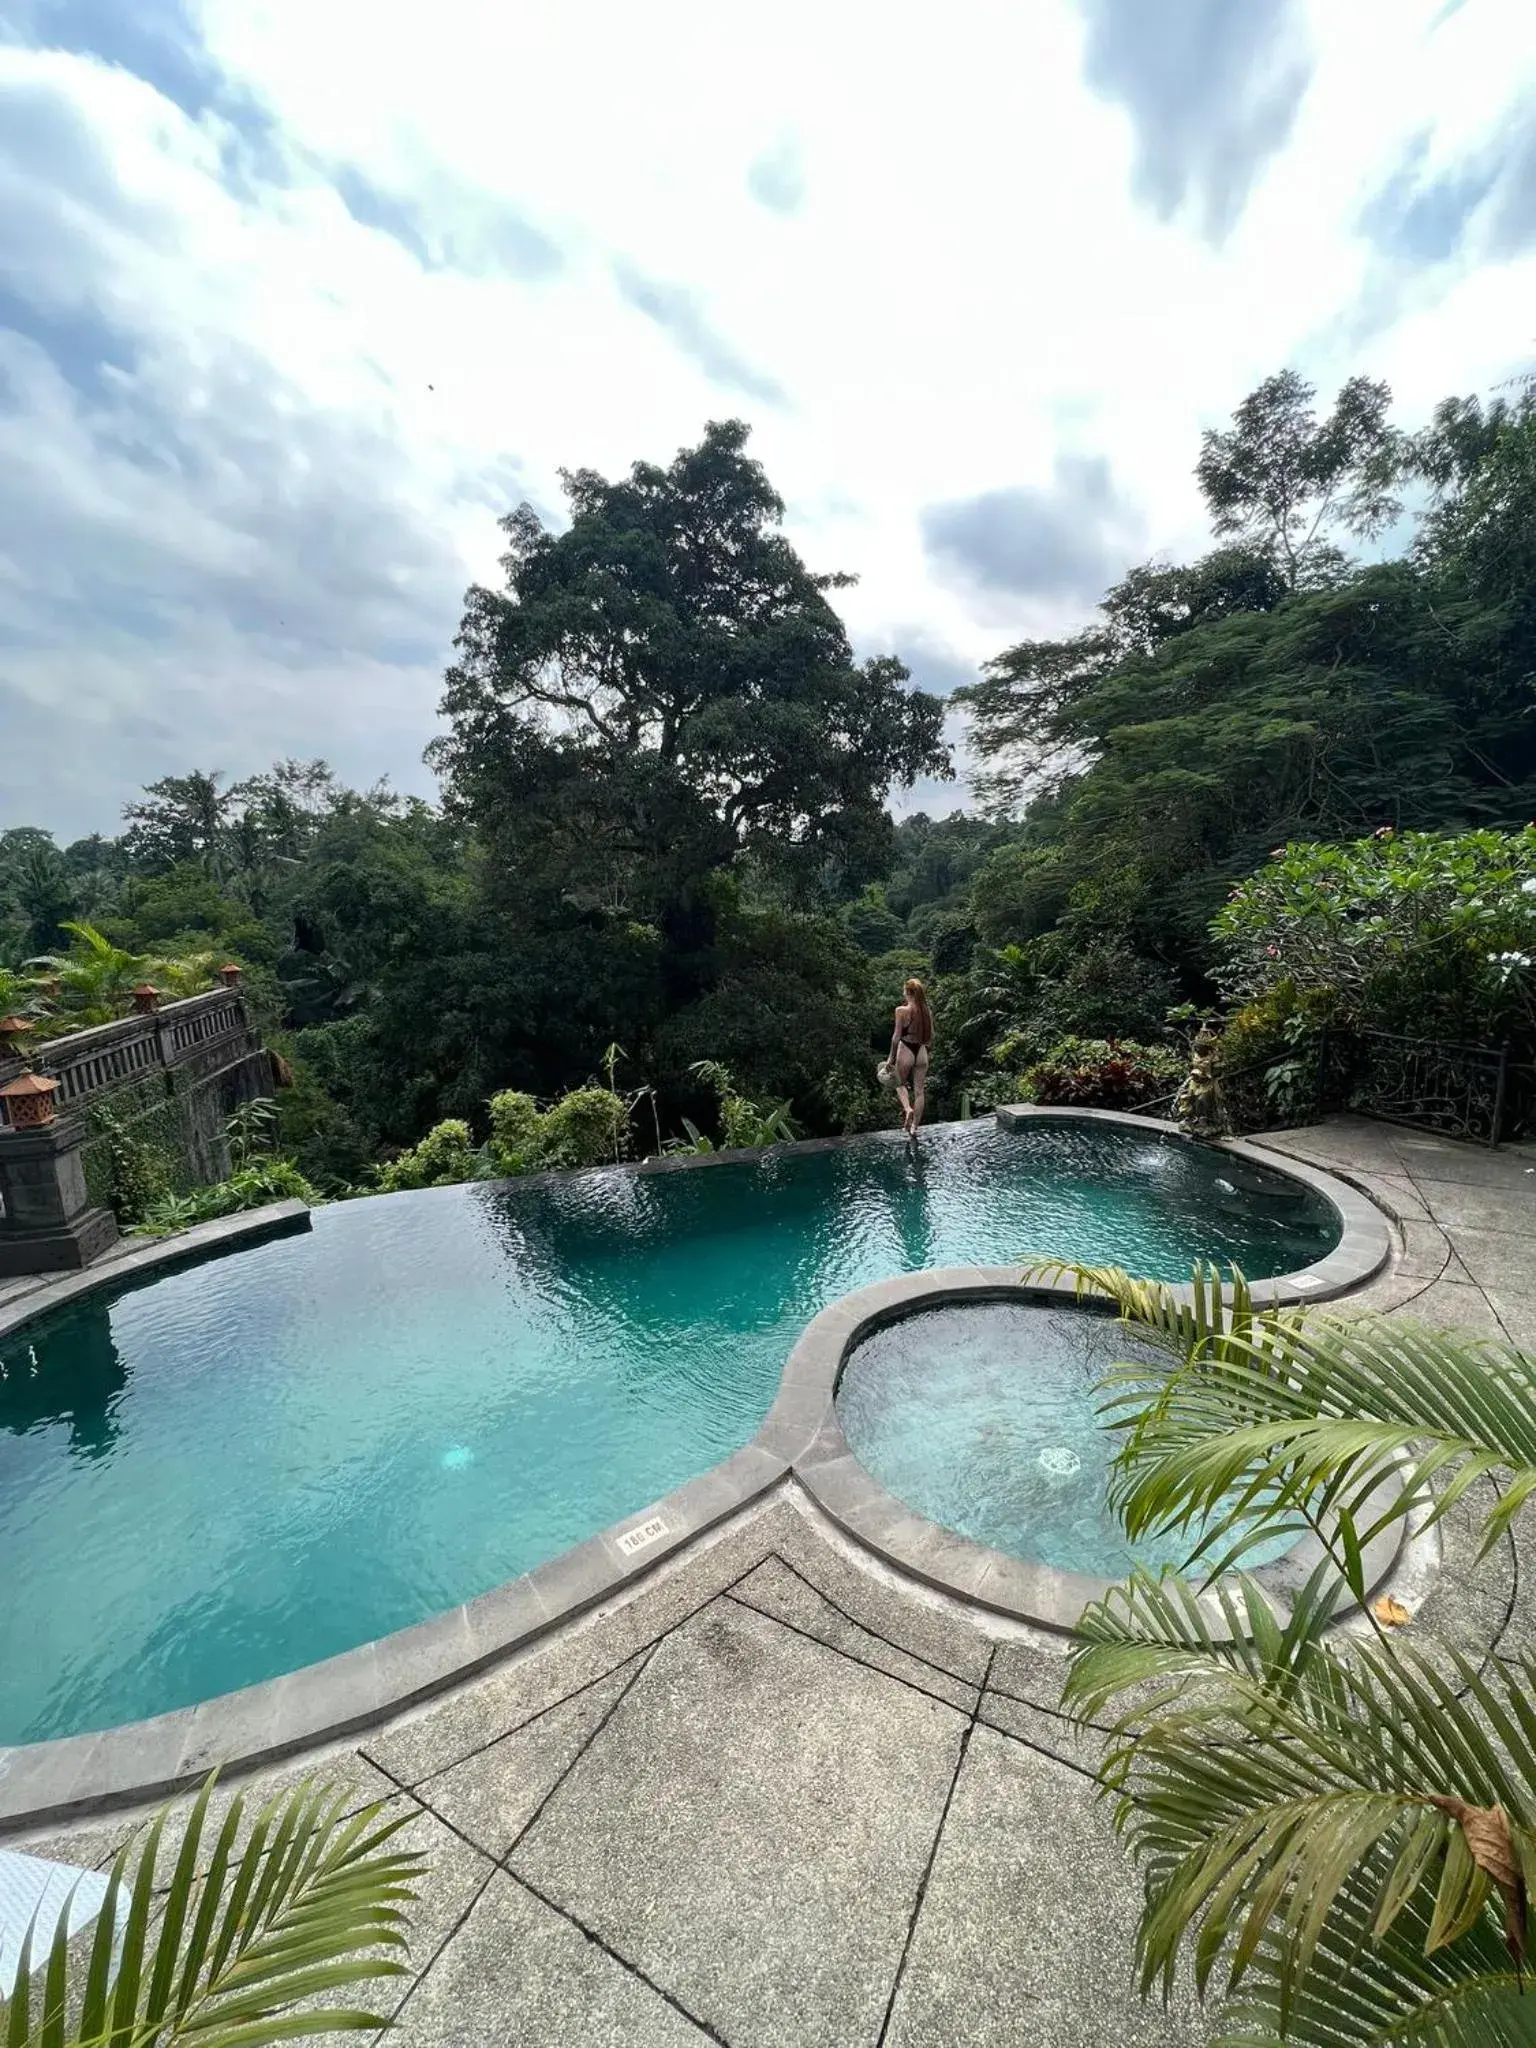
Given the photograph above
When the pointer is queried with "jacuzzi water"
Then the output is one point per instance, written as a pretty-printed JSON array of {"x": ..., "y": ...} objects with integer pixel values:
[
  {"x": 249, "y": 1464},
  {"x": 984, "y": 1416}
]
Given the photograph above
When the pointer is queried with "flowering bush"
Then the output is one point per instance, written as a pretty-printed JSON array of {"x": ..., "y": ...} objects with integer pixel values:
[
  {"x": 1103, "y": 1073},
  {"x": 1433, "y": 931}
]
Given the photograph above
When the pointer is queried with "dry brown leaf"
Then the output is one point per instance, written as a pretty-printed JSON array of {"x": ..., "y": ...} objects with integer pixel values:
[
  {"x": 1391, "y": 1613},
  {"x": 1492, "y": 1848}
]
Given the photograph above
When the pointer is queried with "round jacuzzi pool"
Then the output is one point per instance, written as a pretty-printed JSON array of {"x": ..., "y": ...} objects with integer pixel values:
[
  {"x": 983, "y": 1416},
  {"x": 233, "y": 1469}
]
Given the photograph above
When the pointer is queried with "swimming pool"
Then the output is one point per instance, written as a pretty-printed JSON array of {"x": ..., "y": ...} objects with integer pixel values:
[
  {"x": 250, "y": 1464},
  {"x": 983, "y": 1416}
]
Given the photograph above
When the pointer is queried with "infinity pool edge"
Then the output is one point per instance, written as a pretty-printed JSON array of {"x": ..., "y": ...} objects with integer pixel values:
[{"x": 279, "y": 1718}]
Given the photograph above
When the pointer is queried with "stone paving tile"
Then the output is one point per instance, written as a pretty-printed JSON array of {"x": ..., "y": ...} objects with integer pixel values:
[
  {"x": 1466, "y": 1603},
  {"x": 1031, "y": 1670},
  {"x": 1516, "y": 1311},
  {"x": 1065, "y": 1740},
  {"x": 1426, "y": 1253},
  {"x": 1519, "y": 1637},
  {"x": 1400, "y": 1195},
  {"x": 750, "y": 1830},
  {"x": 456, "y": 1873},
  {"x": 1427, "y": 1158},
  {"x": 1490, "y": 1261},
  {"x": 1027, "y": 1924},
  {"x": 427, "y": 1741},
  {"x": 88, "y": 1846},
  {"x": 940, "y": 1635},
  {"x": 342, "y": 1771},
  {"x": 1462, "y": 1207},
  {"x": 1393, "y": 1294},
  {"x": 1353, "y": 1143},
  {"x": 1452, "y": 1305},
  {"x": 517, "y": 1975},
  {"x": 492, "y": 1796},
  {"x": 774, "y": 1589}
]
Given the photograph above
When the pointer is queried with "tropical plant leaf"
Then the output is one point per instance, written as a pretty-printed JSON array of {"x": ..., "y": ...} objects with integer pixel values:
[
  {"x": 313, "y": 1902},
  {"x": 1288, "y": 1792},
  {"x": 1280, "y": 1416}
]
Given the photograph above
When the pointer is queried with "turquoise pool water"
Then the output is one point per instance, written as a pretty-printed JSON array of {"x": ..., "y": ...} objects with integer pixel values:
[
  {"x": 252, "y": 1463},
  {"x": 983, "y": 1416}
]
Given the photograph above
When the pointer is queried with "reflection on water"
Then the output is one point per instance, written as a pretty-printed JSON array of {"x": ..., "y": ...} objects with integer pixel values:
[
  {"x": 74, "y": 1381},
  {"x": 250, "y": 1464}
]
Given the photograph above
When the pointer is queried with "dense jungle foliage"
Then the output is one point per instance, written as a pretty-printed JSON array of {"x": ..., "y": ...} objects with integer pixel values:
[{"x": 663, "y": 848}]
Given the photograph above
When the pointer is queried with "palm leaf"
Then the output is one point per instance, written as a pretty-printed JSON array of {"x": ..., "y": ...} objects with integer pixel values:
[
  {"x": 1316, "y": 1824},
  {"x": 1294, "y": 1415},
  {"x": 312, "y": 1903}
]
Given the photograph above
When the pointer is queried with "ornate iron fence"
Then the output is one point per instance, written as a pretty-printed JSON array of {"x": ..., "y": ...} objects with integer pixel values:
[{"x": 1474, "y": 1092}]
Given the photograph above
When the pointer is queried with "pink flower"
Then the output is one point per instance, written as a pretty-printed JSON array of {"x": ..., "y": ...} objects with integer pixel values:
[{"x": 1273, "y": 952}]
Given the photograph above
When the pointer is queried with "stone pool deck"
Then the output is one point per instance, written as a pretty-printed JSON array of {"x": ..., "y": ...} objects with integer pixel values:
[{"x": 777, "y": 1797}]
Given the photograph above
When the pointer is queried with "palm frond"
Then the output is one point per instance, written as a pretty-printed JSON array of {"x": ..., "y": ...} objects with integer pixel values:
[
  {"x": 313, "y": 1902},
  {"x": 1290, "y": 1415},
  {"x": 1292, "y": 1805}
]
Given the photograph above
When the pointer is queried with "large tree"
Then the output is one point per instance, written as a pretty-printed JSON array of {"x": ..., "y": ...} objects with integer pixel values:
[
  {"x": 1279, "y": 477},
  {"x": 179, "y": 818},
  {"x": 1272, "y": 690},
  {"x": 671, "y": 652}
]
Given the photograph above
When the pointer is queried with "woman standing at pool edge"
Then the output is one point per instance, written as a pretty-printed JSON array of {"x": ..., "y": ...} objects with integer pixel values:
[{"x": 911, "y": 1041}]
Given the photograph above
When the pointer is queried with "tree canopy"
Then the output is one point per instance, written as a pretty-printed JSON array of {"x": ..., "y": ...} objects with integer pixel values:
[
  {"x": 664, "y": 823},
  {"x": 670, "y": 655}
]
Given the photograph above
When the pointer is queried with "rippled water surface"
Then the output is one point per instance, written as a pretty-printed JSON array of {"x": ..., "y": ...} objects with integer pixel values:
[
  {"x": 983, "y": 1416},
  {"x": 256, "y": 1462}
]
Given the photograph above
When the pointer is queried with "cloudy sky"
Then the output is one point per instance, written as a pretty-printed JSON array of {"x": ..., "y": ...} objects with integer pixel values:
[{"x": 298, "y": 296}]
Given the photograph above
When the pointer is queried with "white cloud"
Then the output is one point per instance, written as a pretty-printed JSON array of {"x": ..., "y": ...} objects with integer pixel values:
[{"x": 391, "y": 272}]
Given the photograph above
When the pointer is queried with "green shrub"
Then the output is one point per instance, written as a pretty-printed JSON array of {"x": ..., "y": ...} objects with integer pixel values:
[
  {"x": 1268, "y": 1057},
  {"x": 588, "y": 1127},
  {"x": 1432, "y": 932},
  {"x": 251, "y": 1130},
  {"x": 744, "y": 1125},
  {"x": 515, "y": 1128},
  {"x": 1103, "y": 1073},
  {"x": 585, "y": 1128},
  {"x": 253, "y": 1187},
  {"x": 141, "y": 1174},
  {"x": 444, "y": 1156}
]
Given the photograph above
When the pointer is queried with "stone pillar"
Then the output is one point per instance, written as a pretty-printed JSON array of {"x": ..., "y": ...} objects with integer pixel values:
[{"x": 48, "y": 1225}]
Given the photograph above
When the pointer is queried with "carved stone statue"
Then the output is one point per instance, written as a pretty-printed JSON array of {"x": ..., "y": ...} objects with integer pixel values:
[{"x": 1198, "y": 1107}]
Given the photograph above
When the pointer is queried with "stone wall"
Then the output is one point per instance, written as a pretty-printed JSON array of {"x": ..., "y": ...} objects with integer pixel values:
[{"x": 170, "y": 1080}]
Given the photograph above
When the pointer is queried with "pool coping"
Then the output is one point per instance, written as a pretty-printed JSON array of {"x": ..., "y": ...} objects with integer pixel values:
[
  {"x": 800, "y": 1437},
  {"x": 153, "y": 1255}
]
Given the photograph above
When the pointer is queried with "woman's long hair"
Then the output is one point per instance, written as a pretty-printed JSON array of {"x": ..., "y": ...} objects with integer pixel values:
[{"x": 918, "y": 1011}]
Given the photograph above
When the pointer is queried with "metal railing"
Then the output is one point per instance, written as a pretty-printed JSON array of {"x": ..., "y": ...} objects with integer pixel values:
[{"x": 1477, "y": 1093}]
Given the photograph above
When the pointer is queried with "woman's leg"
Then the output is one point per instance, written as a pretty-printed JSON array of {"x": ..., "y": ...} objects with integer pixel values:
[
  {"x": 919, "y": 1088},
  {"x": 904, "y": 1066}
]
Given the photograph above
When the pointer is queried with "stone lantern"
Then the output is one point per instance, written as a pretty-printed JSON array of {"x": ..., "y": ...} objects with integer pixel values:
[
  {"x": 146, "y": 1000},
  {"x": 12, "y": 1031},
  {"x": 229, "y": 974},
  {"x": 29, "y": 1101}
]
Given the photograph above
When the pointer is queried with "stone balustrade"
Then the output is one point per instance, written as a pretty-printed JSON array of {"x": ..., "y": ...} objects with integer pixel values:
[
  {"x": 105, "y": 1057},
  {"x": 172, "y": 1076}
]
